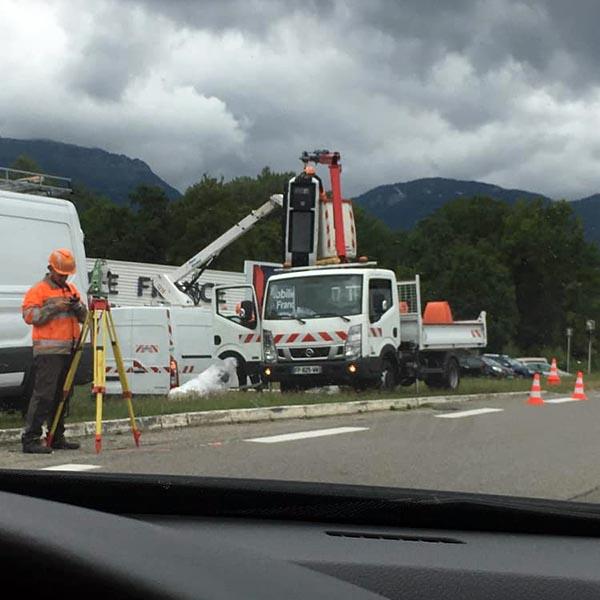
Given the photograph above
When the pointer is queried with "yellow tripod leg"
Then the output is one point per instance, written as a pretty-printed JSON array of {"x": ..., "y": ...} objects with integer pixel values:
[
  {"x": 68, "y": 384},
  {"x": 112, "y": 332},
  {"x": 99, "y": 370}
]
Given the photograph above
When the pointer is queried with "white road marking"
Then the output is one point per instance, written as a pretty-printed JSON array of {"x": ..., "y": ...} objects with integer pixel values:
[
  {"x": 71, "y": 467},
  {"x": 560, "y": 400},
  {"x": 302, "y": 435},
  {"x": 468, "y": 413}
]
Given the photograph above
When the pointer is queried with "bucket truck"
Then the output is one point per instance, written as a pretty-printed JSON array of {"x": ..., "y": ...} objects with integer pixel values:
[
  {"x": 165, "y": 346},
  {"x": 329, "y": 318}
]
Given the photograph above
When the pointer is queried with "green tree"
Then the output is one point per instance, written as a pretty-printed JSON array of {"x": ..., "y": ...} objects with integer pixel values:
[
  {"x": 23, "y": 162},
  {"x": 106, "y": 226},
  {"x": 212, "y": 206},
  {"x": 150, "y": 236},
  {"x": 547, "y": 255},
  {"x": 457, "y": 253},
  {"x": 376, "y": 240}
]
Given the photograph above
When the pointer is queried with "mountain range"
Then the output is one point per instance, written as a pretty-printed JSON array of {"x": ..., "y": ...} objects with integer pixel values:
[
  {"x": 402, "y": 205},
  {"x": 399, "y": 205},
  {"x": 108, "y": 174}
]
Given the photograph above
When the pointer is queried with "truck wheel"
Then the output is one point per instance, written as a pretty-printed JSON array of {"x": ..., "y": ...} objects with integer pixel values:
[
  {"x": 388, "y": 378},
  {"x": 434, "y": 381},
  {"x": 451, "y": 376}
]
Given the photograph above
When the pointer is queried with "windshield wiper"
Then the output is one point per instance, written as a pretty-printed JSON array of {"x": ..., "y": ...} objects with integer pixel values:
[
  {"x": 295, "y": 318},
  {"x": 343, "y": 317}
]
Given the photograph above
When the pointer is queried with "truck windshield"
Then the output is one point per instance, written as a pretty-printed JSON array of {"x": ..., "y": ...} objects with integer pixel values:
[{"x": 314, "y": 297}]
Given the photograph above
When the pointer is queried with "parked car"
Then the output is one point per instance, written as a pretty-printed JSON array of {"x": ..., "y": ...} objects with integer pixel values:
[
  {"x": 481, "y": 366},
  {"x": 518, "y": 369},
  {"x": 471, "y": 365},
  {"x": 537, "y": 364},
  {"x": 496, "y": 369}
]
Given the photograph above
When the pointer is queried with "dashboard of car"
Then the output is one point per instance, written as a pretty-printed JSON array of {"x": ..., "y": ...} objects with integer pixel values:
[{"x": 175, "y": 537}]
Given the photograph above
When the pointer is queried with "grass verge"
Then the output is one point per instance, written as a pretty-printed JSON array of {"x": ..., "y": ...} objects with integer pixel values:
[{"x": 83, "y": 407}]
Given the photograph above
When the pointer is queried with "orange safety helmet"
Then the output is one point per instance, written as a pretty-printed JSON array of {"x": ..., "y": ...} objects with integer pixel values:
[{"x": 62, "y": 261}]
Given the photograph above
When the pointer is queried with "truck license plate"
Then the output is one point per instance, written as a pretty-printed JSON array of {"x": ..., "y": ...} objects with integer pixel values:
[{"x": 306, "y": 370}]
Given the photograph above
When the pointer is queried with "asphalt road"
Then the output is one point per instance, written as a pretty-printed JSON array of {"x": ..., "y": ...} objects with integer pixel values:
[{"x": 550, "y": 451}]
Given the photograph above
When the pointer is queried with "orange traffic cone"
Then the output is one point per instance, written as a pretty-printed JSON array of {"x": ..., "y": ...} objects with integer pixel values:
[
  {"x": 535, "y": 395},
  {"x": 553, "y": 378},
  {"x": 578, "y": 392}
]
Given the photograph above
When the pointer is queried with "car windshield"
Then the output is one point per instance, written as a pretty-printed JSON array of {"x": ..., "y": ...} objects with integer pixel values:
[
  {"x": 275, "y": 241},
  {"x": 503, "y": 361},
  {"x": 491, "y": 362},
  {"x": 317, "y": 297}
]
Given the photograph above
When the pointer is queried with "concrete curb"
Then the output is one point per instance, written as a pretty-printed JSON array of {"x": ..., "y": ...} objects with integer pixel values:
[{"x": 254, "y": 415}]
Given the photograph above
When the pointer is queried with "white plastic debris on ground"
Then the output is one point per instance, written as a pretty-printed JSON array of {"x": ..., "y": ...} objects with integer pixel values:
[{"x": 219, "y": 377}]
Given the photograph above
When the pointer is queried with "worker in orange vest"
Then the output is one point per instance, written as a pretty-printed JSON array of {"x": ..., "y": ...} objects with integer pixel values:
[{"x": 54, "y": 307}]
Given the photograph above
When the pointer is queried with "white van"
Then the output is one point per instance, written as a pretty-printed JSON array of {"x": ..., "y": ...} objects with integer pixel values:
[
  {"x": 30, "y": 228},
  {"x": 161, "y": 347},
  {"x": 166, "y": 346}
]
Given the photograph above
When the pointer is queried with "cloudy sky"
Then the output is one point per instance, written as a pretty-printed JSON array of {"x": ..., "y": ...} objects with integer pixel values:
[{"x": 502, "y": 91}]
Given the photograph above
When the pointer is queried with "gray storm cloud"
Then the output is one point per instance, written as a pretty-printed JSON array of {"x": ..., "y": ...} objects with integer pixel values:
[{"x": 495, "y": 90}]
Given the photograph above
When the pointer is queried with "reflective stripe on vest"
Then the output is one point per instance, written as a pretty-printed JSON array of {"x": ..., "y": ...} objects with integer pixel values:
[{"x": 41, "y": 346}]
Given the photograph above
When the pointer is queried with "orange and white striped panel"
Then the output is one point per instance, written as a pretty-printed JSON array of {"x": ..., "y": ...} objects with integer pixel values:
[
  {"x": 149, "y": 348},
  {"x": 138, "y": 368},
  {"x": 248, "y": 338},
  {"x": 310, "y": 337}
]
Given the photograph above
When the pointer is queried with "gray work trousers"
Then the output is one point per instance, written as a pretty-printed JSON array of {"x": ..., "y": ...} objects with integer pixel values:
[{"x": 49, "y": 372}]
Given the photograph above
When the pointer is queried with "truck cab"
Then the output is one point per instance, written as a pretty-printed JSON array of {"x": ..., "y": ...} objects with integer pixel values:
[
  {"x": 355, "y": 324},
  {"x": 330, "y": 325}
]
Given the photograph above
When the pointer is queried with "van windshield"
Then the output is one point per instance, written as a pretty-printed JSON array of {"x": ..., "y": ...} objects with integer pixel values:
[{"x": 314, "y": 297}]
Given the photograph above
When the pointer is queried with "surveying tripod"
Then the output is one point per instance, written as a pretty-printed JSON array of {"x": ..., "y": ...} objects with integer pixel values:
[{"x": 99, "y": 323}]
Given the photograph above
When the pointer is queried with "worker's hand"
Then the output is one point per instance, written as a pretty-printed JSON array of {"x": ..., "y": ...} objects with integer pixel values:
[
  {"x": 61, "y": 305},
  {"x": 75, "y": 303}
]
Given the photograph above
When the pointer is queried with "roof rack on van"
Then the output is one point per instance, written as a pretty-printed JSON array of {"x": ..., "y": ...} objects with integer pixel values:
[{"x": 28, "y": 182}]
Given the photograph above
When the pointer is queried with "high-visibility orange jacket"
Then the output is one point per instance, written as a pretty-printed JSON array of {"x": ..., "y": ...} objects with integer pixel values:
[{"x": 55, "y": 328}]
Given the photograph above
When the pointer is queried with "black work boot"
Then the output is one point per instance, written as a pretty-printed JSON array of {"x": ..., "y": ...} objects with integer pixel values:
[
  {"x": 36, "y": 448},
  {"x": 64, "y": 444}
]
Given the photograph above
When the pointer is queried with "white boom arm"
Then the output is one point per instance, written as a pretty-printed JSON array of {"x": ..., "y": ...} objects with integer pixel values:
[{"x": 167, "y": 284}]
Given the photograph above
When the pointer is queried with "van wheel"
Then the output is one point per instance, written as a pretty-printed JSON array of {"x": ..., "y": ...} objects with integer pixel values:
[{"x": 241, "y": 371}]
